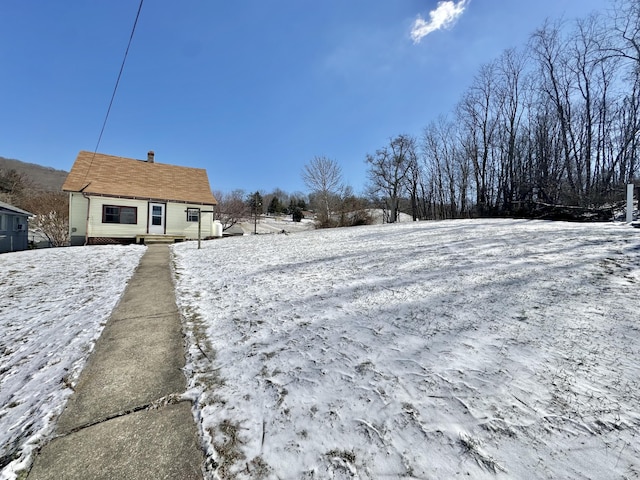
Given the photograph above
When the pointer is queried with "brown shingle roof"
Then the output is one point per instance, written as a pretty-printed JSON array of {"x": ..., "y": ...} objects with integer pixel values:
[{"x": 126, "y": 177}]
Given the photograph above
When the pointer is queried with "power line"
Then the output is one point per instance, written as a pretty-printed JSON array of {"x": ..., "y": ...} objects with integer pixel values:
[{"x": 115, "y": 89}]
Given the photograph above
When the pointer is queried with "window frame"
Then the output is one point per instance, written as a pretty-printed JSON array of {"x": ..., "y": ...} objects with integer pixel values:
[
  {"x": 193, "y": 214},
  {"x": 120, "y": 209}
]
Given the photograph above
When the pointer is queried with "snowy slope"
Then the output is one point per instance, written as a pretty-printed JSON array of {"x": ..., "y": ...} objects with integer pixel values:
[
  {"x": 268, "y": 224},
  {"x": 475, "y": 349},
  {"x": 53, "y": 306}
]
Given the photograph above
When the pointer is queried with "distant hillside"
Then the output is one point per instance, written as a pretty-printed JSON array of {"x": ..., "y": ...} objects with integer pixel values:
[{"x": 45, "y": 177}]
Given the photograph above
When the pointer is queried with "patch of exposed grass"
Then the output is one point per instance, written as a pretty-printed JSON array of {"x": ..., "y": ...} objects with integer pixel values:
[
  {"x": 22, "y": 475},
  {"x": 258, "y": 468},
  {"x": 342, "y": 461},
  {"x": 227, "y": 445},
  {"x": 209, "y": 378},
  {"x": 345, "y": 455},
  {"x": 471, "y": 446}
]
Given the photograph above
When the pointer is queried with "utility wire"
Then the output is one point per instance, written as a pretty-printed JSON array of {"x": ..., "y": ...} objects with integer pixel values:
[{"x": 115, "y": 89}]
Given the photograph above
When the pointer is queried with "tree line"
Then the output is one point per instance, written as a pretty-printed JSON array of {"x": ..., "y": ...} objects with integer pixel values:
[
  {"x": 238, "y": 206},
  {"x": 331, "y": 203},
  {"x": 551, "y": 129},
  {"x": 554, "y": 123}
]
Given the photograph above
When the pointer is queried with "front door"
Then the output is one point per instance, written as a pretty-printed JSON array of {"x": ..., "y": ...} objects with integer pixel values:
[{"x": 156, "y": 218}]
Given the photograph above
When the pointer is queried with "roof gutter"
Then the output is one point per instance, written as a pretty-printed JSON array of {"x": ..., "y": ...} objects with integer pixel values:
[{"x": 150, "y": 199}]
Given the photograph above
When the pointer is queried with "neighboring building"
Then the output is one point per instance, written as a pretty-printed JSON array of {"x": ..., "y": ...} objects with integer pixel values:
[
  {"x": 14, "y": 227},
  {"x": 123, "y": 200}
]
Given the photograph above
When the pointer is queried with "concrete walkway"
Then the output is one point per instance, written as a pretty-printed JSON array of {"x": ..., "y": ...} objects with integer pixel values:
[{"x": 125, "y": 419}]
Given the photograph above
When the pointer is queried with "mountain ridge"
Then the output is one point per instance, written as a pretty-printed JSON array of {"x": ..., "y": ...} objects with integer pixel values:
[{"x": 47, "y": 178}]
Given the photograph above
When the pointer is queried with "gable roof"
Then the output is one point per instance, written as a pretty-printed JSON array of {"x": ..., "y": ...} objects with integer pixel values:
[
  {"x": 8, "y": 208},
  {"x": 109, "y": 175}
]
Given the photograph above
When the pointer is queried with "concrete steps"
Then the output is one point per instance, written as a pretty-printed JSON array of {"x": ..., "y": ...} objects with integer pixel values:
[{"x": 159, "y": 239}]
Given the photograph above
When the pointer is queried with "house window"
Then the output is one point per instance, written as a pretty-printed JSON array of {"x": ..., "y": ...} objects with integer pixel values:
[
  {"x": 115, "y": 214},
  {"x": 192, "y": 214},
  {"x": 17, "y": 224},
  {"x": 3, "y": 222}
]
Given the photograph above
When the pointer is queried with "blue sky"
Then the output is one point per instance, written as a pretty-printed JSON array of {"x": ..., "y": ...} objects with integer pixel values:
[{"x": 251, "y": 90}]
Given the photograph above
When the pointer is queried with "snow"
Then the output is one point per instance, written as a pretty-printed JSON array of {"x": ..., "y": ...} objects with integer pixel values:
[
  {"x": 477, "y": 349},
  {"x": 54, "y": 305},
  {"x": 275, "y": 224}
]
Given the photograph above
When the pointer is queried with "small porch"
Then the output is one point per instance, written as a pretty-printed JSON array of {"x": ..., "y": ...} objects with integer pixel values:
[{"x": 148, "y": 239}]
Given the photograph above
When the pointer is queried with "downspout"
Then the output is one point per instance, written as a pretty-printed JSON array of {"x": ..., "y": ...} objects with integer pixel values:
[{"x": 86, "y": 231}]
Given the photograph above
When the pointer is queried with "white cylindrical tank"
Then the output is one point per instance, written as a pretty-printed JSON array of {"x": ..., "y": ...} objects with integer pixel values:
[
  {"x": 630, "y": 203},
  {"x": 217, "y": 229}
]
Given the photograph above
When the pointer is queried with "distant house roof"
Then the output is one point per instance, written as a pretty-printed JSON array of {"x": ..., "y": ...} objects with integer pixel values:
[
  {"x": 101, "y": 174},
  {"x": 7, "y": 208}
]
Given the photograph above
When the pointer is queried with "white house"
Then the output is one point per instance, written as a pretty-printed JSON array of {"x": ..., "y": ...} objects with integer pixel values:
[{"x": 124, "y": 200}]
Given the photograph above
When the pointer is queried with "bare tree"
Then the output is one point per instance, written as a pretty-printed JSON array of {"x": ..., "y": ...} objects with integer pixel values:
[
  {"x": 479, "y": 113},
  {"x": 626, "y": 28},
  {"x": 323, "y": 176},
  {"x": 627, "y": 144},
  {"x": 556, "y": 124},
  {"x": 389, "y": 171},
  {"x": 550, "y": 51},
  {"x": 13, "y": 186},
  {"x": 353, "y": 209},
  {"x": 414, "y": 180},
  {"x": 625, "y": 44},
  {"x": 440, "y": 156},
  {"x": 231, "y": 208},
  {"x": 513, "y": 88},
  {"x": 51, "y": 210}
]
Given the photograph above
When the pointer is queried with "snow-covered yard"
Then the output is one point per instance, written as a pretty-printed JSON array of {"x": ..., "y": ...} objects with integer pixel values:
[
  {"x": 274, "y": 224},
  {"x": 53, "y": 305},
  {"x": 475, "y": 349}
]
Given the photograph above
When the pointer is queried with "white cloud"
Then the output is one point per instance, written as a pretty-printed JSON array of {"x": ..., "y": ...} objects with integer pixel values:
[{"x": 444, "y": 16}]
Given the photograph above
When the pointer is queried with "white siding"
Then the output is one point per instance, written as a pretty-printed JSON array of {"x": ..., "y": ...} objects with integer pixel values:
[
  {"x": 77, "y": 215},
  {"x": 176, "y": 218},
  {"x": 177, "y": 221},
  {"x": 117, "y": 230}
]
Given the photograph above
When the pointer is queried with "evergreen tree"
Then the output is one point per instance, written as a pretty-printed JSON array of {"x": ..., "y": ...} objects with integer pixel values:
[
  {"x": 254, "y": 201},
  {"x": 275, "y": 206}
]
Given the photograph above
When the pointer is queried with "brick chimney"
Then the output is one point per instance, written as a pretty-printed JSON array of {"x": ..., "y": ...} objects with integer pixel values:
[{"x": 150, "y": 156}]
